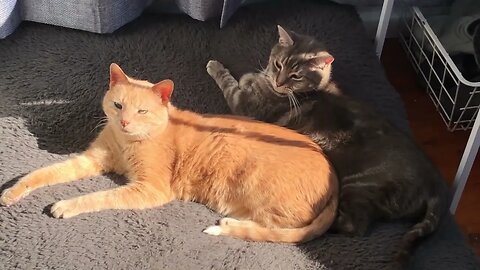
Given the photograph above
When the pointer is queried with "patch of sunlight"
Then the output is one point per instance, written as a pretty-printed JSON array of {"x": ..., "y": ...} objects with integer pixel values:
[{"x": 45, "y": 102}]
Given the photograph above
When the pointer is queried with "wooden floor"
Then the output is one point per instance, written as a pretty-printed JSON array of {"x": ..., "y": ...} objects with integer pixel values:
[{"x": 444, "y": 148}]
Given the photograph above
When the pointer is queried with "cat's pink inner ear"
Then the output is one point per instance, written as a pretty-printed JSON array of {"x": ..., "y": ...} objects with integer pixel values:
[
  {"x": 329, "y": 60},
  {"x": 322, "y": 61},
  {"x": 117, "y": 75},
  {"x": 164, "y": 89}
]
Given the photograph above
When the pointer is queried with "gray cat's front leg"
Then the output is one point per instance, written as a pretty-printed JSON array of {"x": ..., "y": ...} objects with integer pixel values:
[{"x": 227, "y": 83}]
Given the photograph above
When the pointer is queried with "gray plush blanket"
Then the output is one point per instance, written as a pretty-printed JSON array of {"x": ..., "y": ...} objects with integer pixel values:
[{"x": 51, "y": 82}]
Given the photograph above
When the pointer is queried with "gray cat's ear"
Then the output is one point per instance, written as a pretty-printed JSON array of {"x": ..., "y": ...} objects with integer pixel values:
[
  {"x": 284, "y": 39},
  {"x": 322, "y": 61},
  {"x": 117, "y": 75}
]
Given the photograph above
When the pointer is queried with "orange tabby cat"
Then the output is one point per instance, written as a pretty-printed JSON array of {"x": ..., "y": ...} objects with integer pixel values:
[{"x": 276, "y": 183}]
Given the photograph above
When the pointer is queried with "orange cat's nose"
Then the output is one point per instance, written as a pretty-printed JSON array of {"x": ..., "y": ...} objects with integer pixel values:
[{"x": 124, "y": 123}]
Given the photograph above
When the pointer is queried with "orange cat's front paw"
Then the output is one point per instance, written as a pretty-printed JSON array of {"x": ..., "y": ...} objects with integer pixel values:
[
  {"x": 13, "y": 195},
  {"x": 66, "y": 209}
]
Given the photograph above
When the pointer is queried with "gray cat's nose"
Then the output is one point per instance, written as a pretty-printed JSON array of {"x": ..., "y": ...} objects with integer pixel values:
[{"x": 281, "y": 80}]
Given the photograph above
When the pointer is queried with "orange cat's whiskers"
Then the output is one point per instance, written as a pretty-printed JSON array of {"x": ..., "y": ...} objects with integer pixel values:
[{"x": 103, "y": 122}]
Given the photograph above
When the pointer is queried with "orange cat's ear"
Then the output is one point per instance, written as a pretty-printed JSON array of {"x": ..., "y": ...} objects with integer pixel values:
[
  {"x": 164, "y": 89},
  {"x": 117, "y": 75}
]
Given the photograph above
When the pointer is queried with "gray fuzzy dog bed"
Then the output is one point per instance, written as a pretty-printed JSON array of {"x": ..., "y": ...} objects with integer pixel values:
[{"x": 51, "y": 82}]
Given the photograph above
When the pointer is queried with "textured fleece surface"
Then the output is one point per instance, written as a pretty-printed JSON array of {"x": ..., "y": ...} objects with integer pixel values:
[{"x": 51, "y": 82}]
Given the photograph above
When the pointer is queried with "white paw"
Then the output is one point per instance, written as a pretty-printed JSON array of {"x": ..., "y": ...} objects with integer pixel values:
[
  {"x": 213, "y": 67},
  {"x": 65, "y": 209},
  {"x": 213, "y": 230}
]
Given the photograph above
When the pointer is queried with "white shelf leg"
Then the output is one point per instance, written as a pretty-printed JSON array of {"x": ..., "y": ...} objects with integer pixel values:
[
  {"x": 383, "y": 26},
  {"x": 466, "y": 164}
]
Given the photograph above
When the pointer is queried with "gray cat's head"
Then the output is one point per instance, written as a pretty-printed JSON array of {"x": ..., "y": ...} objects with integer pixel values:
[{"x": 298, "y": 63}]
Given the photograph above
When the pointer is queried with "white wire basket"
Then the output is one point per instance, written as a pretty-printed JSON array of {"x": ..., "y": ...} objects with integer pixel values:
[{"x": 456, "y": 99}]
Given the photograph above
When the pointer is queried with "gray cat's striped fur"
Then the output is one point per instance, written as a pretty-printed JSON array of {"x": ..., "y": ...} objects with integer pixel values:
[{"x": 383, "y": 174}]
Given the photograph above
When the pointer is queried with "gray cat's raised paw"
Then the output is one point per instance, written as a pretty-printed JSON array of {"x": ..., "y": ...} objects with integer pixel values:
[{"x": 213, "y": 67}]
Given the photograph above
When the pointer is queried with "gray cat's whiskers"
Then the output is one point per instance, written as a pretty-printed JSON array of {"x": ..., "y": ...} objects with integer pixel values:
[
  {"x": 299, "y": 109},
  {"x": 262, "y": 70},
  {"x": 290, "y": 104},
  {"x": 296, "y": 106}
]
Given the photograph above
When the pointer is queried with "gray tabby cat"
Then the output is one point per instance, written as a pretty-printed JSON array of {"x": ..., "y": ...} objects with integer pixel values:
[{"x": 383, "y": 174}]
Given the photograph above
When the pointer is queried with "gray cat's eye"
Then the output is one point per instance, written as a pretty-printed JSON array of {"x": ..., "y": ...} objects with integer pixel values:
[
  {"x": 142, "y": 111},
  {"x": 118, "y": 105},
  {"x": 295, "y": 76}
]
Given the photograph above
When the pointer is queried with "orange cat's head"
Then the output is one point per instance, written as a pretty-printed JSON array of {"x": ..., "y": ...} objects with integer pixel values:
[{"x": 136, "y": 109}]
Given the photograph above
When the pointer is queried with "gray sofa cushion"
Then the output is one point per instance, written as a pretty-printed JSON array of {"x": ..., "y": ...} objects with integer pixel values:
[
  {"x": 105, "y": 16},
  {"x": 98, "y": 16},
  {"x": 10, "y": 17}
]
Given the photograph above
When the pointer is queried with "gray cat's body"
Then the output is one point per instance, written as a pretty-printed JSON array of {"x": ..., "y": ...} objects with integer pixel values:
[{"x": 383, "y": 174}]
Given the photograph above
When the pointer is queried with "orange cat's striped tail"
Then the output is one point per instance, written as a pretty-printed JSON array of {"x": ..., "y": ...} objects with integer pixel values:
[{"x": 249, "y": 230}]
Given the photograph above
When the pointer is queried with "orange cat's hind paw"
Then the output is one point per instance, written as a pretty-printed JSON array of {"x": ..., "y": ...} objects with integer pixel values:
[
  {"x": 214, "y": 230},
  {"x": 229, "y": 221},
  {"x": 11, "y": 196},
  {"x": 223, "y": 226}
]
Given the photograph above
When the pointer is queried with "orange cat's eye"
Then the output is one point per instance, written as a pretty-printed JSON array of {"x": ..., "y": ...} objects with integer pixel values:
[
  {"x": 142, "y": 111},
  {"x": 118, "y": 105}
]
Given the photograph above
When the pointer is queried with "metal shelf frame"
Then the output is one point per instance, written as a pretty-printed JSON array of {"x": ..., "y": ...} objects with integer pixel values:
[{"x": 473, "y": 144}]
